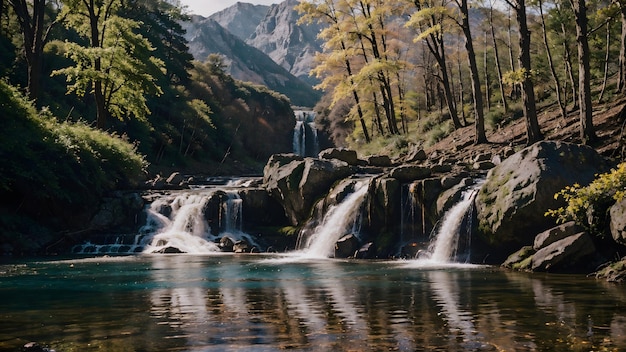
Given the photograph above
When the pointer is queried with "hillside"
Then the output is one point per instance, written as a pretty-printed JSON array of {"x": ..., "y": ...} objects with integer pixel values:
[{"x": 609, "y": 121}]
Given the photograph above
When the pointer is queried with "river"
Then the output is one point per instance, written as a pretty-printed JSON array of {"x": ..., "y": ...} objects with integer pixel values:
[{"x": 260, "y": 302}]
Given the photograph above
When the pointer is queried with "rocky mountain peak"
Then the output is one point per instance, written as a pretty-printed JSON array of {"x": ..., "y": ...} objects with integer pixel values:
[
  {"x": 241, "y": 19},
  {"x": 289, "y": 44}
]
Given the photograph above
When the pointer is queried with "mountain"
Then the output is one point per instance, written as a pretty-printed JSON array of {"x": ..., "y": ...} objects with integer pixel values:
[
  {"x": 241, "y": 19},
  {"x": 245, "y": 63},
  {"x": 289, "y": 44}
]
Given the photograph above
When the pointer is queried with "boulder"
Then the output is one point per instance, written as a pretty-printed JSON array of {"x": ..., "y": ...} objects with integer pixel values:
[
  {"x": 298, "y": 184},
  {"x": 346, "y": 246},
  {"x": 175, "y": 179},
  {"x": 226, "y": 244},
  {"x": 564, "y": 254},
  {"x": 415, "y": 154},
  {"x": 520, "y": 260},
  {"x": 379, "y": 160},
  {"x": 512, "y": 203},
  {"x": 347, "y": 155},
  {"x": 618, "y": 221},
  {"x": 366, "y": 251},
  {"x": 554, "y": 234},
  {"x": 408, "y": 173},
  {"x": 242, "y": 246}
]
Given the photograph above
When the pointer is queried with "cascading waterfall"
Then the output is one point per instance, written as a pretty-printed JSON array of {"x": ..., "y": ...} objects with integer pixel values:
[
  {"x": 444, "y": 245},
  {"x": 299, "y": 138},
  {"x": 305, "y": 125},
  {"x": 339, "y": 220},
  {"x": 179, "y": 222},
  {"x": 185, "y": 228}
]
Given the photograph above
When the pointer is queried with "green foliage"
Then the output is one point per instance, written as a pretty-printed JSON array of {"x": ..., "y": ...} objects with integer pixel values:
[
  {"x": 64, "y": 161},
  {"x": 117, "y": 64},
  {"x": 606, "y": 189}
]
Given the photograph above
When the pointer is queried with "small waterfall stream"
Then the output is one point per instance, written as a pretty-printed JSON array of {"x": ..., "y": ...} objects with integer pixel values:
[
  {"x": 305, "y": 139},
  {"x": 444, "y": 245},
  {"x": 339, "y": 220}
]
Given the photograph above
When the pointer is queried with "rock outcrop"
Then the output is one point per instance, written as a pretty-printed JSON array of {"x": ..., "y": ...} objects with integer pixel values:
[
  {"x": 512, "y": 203},
  {"x": 298, "y": 183}
]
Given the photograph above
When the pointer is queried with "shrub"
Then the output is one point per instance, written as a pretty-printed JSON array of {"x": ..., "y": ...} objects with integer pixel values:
[{"x": 588, "y": 205}]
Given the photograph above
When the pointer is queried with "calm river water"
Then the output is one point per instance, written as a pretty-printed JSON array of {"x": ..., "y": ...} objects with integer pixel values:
[{"x": 273, "y": 303}]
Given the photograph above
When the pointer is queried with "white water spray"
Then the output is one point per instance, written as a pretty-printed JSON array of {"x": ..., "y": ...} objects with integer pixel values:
[
  {"x": 185, "y": 229},
  {"x": 336, "y": 223}
]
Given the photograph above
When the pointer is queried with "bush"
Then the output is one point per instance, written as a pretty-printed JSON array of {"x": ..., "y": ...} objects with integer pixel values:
[{"x": 587, "y": 206}]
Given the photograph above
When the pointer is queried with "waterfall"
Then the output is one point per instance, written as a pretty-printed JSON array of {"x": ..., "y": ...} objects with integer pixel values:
[
  {"x": 299, "y": 138},
  {"x": 185, "y": 228},
  {"x": 181, "y": 222},
  {"x": 231, "y": 217},
  {"x": 444, "y": 245},
  {"x": 304, "y": 145},
  {"x": 339, "y": 220}
]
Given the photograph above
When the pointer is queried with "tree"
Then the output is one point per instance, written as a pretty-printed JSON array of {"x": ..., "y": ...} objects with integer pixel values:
[
  {"x": 429, "y": 19},
  {"x": 587, "y": 132},
  {"x": 497, "y": 58},
  {"x": 479, "y": 123},
  {"x": 325, "y": 12},
  {"x": 557, "y": 83},
  {"x": 35, "y": 28},
  {"x": 116, "y": 63},
  {"x": 533, "y": 132}
]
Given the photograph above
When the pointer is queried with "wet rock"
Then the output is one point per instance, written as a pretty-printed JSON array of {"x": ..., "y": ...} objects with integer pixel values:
[
  {"x": 440, "y": 168},
  {"x": 520, "y": 260},
  {"x": 346, "y": 246},
  {"x": 169, "y": 250},
  {"x": 563, "y": 254},
  {"x": 366, "y": 251},
  {"x": 226, "y": 244},
  {"x": 449, "y": 180},
  {"x": 242, "y": 246},
  {"x": 483, "y": 165},
  {"x": 614, "y": 272},
  {"x": 175, "y": 179}
]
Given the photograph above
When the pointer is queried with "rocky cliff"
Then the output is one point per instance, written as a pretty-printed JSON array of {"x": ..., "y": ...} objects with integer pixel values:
[
  {"x": 245, "y": 63},
  {"x": 291, "y": 45}
]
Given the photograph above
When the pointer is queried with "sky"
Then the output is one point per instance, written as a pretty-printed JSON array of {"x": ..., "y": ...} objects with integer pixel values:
[{"x": 209, "y": 7}]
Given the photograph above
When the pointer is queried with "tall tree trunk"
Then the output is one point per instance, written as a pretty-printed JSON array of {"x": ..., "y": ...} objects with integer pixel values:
[
  {"x": 461, "y": 90},
  {"x": 515, "y": 91},
  {"x": 479, "y": 124},
  {"x": 555, "y": 77},
  {"x": 505, "y": 105},
  {"x": 437, "y": 48},
  {"x": 607, "y": 54},
  {"x": 31, "y": 21},
  {"x": 587, "y": 132},
  {"x": 533, "y": 132},
  {"x": 487, "y": 86},
  {"x": 569, "y": 69},
  {"x": 621, "y": 76}
]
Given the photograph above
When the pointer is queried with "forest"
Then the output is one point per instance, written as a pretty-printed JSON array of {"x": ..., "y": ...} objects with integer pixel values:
[
  {"x": 401, "y": 69},
  {"x": 98, "y": 96}
]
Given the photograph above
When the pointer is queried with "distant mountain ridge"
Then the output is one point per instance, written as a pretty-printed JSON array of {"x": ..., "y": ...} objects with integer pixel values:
[
  {"x": 241, "y": 19},
  {"x": 289, "y": 44},
  {"x": 246, "y": 63}
]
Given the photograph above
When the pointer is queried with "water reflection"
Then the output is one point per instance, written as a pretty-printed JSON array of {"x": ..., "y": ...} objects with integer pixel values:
[{"x": 232, "y": 303}]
